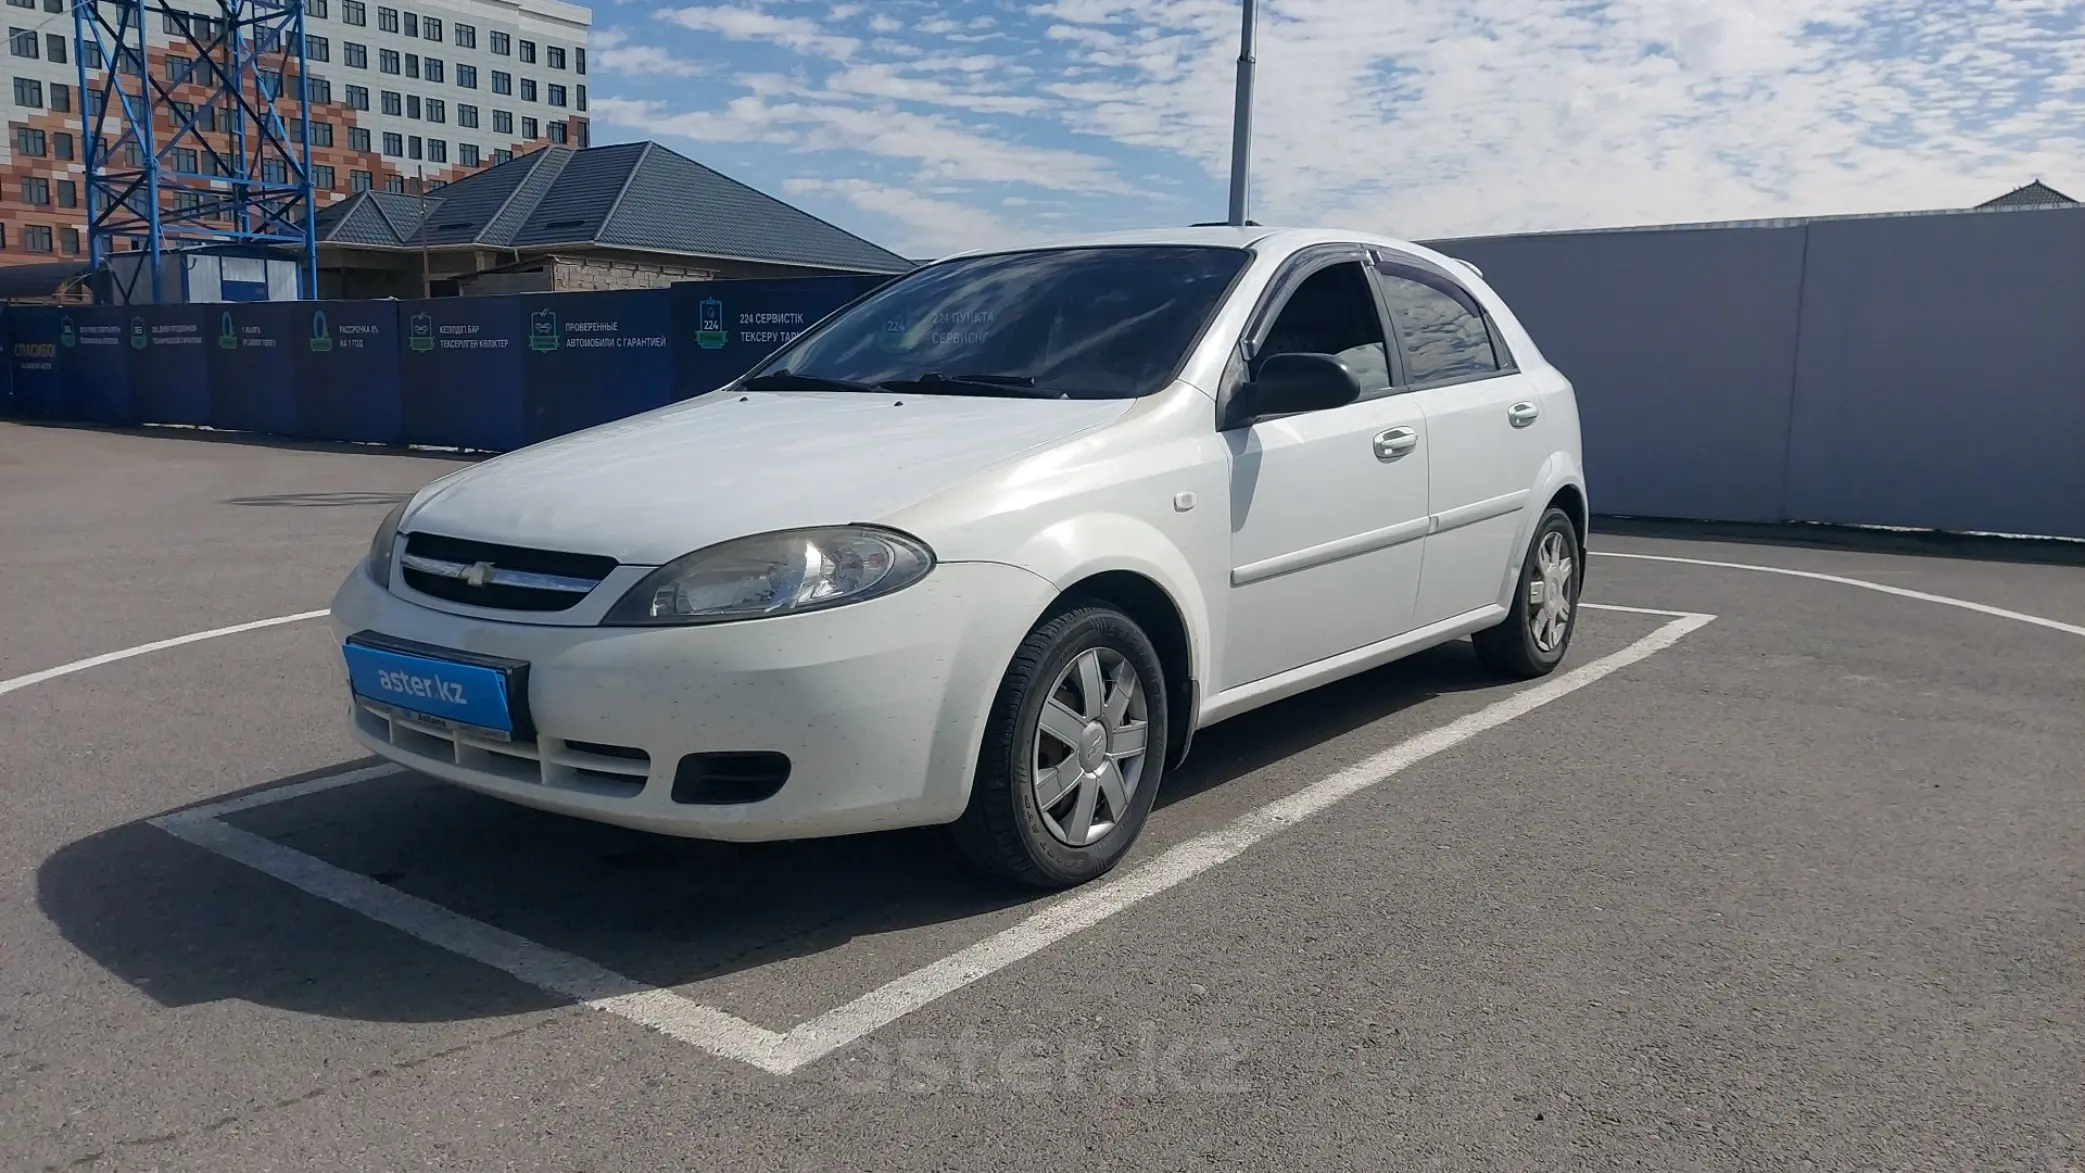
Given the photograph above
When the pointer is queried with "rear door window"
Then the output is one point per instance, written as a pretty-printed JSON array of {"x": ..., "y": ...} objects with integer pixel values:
[{"x": 1445, "y": 333}]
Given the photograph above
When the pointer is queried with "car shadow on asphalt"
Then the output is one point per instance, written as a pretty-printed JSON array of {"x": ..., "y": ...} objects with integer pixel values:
[{"x": 185, "y": 926}]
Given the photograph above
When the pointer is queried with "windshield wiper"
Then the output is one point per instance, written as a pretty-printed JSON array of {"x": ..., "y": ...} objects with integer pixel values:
[
  {"x": 936, "y": 383},
  {"x": 788, "y": 381}
]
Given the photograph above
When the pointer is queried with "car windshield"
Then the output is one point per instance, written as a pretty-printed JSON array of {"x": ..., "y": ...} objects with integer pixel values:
[{"x": 1081, "y": 323}]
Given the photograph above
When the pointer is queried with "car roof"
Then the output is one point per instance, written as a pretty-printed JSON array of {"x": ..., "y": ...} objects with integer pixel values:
[{"x": 1273, "y": 240}]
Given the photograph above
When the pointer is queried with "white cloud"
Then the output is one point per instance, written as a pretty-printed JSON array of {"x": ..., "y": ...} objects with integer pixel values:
[
  {"x": 644, "y": 60},
  {"x": 931, "y": 227},
  {"x": 752, "y": 24}
]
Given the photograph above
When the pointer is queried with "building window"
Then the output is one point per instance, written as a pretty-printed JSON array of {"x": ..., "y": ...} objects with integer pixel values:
[
  {"x": 467, "y": 154},
  {"x": 412, "y": 65},
  {"x": 466, "y": 76},
  {"x": 319, "y": 89},
  {"x": 502, "y": 45},
  {"x": 267, "y": 40},
  {"x": 68, "y": 194},
  {"x": 394, "y": 183},
  {"x": 437, "y": 110},
  {"x": 94, "y": 58},
  {"x": 357, "y": 138},
  {"x": 393, "y": 103},
  {"x": 437, "y": 151},
  {"x": 502, "y": 83},
  {"x": 394, "y": 143},
  {"x": 412, "y": 25},
  {"x": 28, "y": 4},
  {"x": 502, "y": 155},
  {"x": 188, "y": 201},
  {"x": 61, "y": 146},
  {"x": 528, "y": 89},
  {"x": 554, "y": 56},
  {"x": 528, "y": 128},
  {"x": 556, "y": 94},
  {"x": 61, "y": 98},
  {"x": 528, "y": 52},
  {"x": 322, "y": 176},
  {"x": 23, "y": 43},
  {"x": 36, "y": 191},
  {"x": 315, "y": 8},
  {"x": 321, "y": 134},
  {"x": 557, "y": 132},
  {"x": 28, "y": 141},
  {"x": 579, "y": 96},
  {"x": 54, "y": 48},
  {"x": 353, "y": 55},
  {"x": 412, "y": 105},
  {"x": 353, "y": 12},
  {"x": 275, "y": 171},
  {"x": 412, "y": 147},
  {"x": 36, "y": 237},
  {"x": 179, "y": 69},
  {"x": 431, "y": 27},
  {"x": 503, "y": 122},
  {"x": 433, "y": 68},
  {"x": 185, "y": 161},
  {"x": 466, "y": 36},
  {"x": 360, "y": 180},
  {"x": 69, "y": 241},
  {"x": 387, "y": 60},
  {"x": 466, "y": 115},
  {"x": 318, "y": 48},
  {"x": 387, "y": 19},
  {"x": 579, "y": 60},
  {"x": 358, "y": 97}
]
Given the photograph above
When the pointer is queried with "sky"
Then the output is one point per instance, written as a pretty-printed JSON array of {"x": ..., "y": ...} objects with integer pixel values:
[{"x": 929, "y": 127}]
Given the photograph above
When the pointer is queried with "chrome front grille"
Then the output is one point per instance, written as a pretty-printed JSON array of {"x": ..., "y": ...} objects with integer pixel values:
[{"x": 503, "y": 578}]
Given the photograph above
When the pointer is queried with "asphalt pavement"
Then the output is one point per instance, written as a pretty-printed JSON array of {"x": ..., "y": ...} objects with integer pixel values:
[{"x": 1802, "y": 887}]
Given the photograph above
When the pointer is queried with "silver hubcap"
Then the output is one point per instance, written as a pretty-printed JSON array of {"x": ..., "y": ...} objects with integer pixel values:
[
  {"x": 1089, "y": 747},
  {"x": 1549, "y": 591}
]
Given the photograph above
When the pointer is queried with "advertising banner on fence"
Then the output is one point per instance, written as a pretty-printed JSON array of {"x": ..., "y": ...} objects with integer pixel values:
[
  {"x": 94, "y": 364},
  {"x": 32, "y": 363},
  {"x": 347, "y": 371},
  {"x": 461, "y": 372},
  {"x": 596, "y": 357},
  {"x": 169, "y": 369},
  {"x": 252, "y": 364},
  {"x": 722, "y": 328}
]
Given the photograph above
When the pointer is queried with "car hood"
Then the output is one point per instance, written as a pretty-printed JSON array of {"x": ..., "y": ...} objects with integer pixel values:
[{"x": 653, "y": 487}]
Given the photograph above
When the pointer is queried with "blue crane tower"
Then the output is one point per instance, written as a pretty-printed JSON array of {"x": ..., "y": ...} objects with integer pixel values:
[{"x": 197, "y": 134}]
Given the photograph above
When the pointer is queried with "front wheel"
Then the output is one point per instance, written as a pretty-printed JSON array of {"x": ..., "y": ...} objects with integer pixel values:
[
  {"x": 1537, "y": 631},
  {"x": 1073, "y": 752}
]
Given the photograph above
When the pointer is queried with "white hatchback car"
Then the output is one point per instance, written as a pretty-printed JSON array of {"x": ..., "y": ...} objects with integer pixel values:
[{"x": 986, "y": 548}]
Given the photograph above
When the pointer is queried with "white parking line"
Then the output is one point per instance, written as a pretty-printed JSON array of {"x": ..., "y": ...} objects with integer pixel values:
[
  {"x": 731, "y": 1037},
  {"x": 13, "y": 683},
  {"x": 1864, "y": 584}
]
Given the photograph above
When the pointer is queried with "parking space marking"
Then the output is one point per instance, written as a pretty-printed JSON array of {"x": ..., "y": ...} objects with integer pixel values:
[
  {"x": 1864, "y": 584},
  {"x": 782, "y": 1053},
  {"x": 17, "y": 682}
]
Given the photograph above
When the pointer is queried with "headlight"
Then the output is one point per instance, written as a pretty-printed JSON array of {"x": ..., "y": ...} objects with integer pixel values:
[
  {"x": 382, "y": 545},
  {"x": 774, "y": 574}
]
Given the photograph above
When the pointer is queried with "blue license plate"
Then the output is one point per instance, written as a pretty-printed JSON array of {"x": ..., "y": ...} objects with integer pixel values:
[{"x": 441, "y": 687}]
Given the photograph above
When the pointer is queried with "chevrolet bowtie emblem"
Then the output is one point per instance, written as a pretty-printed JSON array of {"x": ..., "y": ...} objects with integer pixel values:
[{"x": 479, "y": 574}]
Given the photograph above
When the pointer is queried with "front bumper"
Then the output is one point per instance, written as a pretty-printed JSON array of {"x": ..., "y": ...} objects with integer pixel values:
[{"x": 879, "y": 706}]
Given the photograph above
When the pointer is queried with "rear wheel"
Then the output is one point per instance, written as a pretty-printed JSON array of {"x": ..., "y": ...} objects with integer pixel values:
[
  {"x": 1537, "y": 631},
  {"x": 1072, "y": 756}
]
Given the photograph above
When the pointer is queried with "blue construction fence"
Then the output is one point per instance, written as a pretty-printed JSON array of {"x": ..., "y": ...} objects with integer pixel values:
[{"x": 489, "y": 373}]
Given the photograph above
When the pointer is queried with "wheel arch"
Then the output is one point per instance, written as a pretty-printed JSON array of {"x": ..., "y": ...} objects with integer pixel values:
[{"x": 1154, "y": 610}]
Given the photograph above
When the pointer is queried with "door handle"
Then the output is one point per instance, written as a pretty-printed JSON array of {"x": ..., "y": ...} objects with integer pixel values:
[
  {"x": 1522, "y": 414},
  {"x": 1395, "y": 443}
]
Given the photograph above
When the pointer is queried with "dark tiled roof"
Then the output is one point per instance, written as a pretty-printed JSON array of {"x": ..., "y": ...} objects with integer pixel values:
[
  {"x": 2033, "y": 195},
  {"x": 630, "y": 195}
]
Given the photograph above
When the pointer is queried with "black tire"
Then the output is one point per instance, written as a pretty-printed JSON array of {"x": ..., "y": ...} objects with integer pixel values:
[
  {"x": 1511, "y": 648},
  {"x": 1004, "y": 832}
]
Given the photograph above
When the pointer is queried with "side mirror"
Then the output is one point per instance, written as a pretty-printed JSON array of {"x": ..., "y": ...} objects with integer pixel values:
[{"x": 1292, "y": 383}]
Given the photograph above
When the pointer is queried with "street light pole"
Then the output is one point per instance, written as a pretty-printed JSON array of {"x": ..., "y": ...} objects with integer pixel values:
[{"x": 1241, "y": 125}]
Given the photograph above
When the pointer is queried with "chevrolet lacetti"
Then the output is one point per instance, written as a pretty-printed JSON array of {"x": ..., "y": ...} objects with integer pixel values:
[{"x": 986, "y": 547}]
